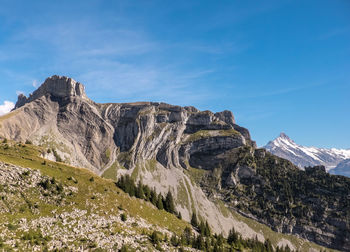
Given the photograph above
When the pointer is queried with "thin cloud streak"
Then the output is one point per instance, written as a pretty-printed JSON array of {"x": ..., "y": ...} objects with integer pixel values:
[{"x": 101, "y": 56}]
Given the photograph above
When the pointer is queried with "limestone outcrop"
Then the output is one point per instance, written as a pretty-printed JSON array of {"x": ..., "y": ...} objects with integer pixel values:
[
  {"x": 201, "y": 156},
  {"x": 56, "y": 86}
]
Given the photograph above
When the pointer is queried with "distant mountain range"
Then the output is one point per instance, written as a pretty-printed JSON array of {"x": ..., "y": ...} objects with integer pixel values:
[{"x": 336, "y": 161}]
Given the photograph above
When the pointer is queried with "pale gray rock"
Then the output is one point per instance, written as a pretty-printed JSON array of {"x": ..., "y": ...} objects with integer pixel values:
[
  {"x": 156, "y": 142},
  {"x": 56, "y": 86},
  {"x": 226, "y": 116}
]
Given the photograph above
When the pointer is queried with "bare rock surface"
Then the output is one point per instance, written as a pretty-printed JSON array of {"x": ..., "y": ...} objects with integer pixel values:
[{"x": 163, "y": 145}]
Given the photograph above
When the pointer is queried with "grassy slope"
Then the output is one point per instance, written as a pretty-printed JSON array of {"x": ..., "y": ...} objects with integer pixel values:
[{"x": 109, "y": 197}]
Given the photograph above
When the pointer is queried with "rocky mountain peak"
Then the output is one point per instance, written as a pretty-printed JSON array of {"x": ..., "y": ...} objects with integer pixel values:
[
  {"x": 284, "y": 136},
  {"x": 226, "y": 116},
  {"x": 303, "y": 156},
  {"x": 62, "y": 86},
  {"x": 56, "y": 86}
]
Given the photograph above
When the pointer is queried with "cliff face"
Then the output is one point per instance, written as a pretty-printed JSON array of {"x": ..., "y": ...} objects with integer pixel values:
[
  {"x": 56, "y": 86},
  {"x": 155, "y": 142},
  {"x": 200, "y": 156},
  {"x": 172, "y": 135}
]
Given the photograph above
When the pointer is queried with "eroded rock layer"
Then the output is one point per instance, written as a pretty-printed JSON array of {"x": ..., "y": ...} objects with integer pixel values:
[{"x": 204, "y": 158}]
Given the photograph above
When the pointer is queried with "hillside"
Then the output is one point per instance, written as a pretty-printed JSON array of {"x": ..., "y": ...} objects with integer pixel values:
[
  {"x": 208, "y": 162},
  {"x": 49, "y": 205},
  {"x": 53, "y": 205}
]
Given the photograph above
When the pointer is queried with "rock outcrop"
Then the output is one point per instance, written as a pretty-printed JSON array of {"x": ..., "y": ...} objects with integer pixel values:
[
  {"x": 164, "y": 145},
  {"x": 56, "y": 86}
]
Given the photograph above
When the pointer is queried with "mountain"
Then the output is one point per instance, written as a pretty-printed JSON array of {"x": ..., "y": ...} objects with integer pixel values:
[
  {"x": 343, "y": 168},
  {"x": 209, "y": 163},
  {"x": 302, "y": 156},
  {"x": 51, "y": 206}
]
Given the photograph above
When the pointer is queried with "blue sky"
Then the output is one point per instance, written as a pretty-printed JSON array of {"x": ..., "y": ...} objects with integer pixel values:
[{"x": 278, "y": 65}]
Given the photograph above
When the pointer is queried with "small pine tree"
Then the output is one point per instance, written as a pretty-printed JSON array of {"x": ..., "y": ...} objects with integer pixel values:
[
  {"x": 186, "y": 236},
  {"x": 160, "y": 202},
  {"x": 207, "y": 244},
  {"x": 199, "y": 244},
  {"x": 121, "y": 183},
  {"x": 139, "y": 191},
  {"x": 220, "y": 240},
  {"x": 207, "y": 229},
  {"x": 194, "y": 221},
  {"x": 216, "y": 248},
  {"x": 147, "y": 192},
  {"x": 232, "y": 236},
  {"x": 154, "y": 198},
  {"x": 169, "y": 203},
  {"x": 202, "y": 228}
]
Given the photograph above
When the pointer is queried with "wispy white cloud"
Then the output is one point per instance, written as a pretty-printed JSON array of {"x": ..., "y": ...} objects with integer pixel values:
[
  {"x": 6, "y": 107},
  {"x": 100, "y": 59},
  {"x": 118, "y": 60}
]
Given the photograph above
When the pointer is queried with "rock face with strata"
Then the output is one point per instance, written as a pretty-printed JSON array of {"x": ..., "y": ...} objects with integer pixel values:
[
  {"x": 56, "y": 86},
  {"x": 155, "y": 142},
  {"x": 162, "y": 144},
  {"x": 59, "y": 110}
]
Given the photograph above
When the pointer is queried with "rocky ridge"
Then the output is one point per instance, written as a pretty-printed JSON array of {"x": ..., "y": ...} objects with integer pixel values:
[
  {"x": 56, "y": 86},
  {"x": 204, "y": 158},
  {"x": 155, "y": 142}
]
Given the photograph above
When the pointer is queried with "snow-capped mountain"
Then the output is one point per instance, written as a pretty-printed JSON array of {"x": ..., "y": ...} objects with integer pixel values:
[
  {"x": 303, "y": 156},
  {"x": 343, "y": 168}
]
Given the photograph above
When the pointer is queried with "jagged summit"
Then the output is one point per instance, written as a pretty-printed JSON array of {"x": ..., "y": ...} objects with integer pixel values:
[
  {"x": 57, "y": 86},
  {"x": 284, "y": 136},
  {"x": 302, "y": 156}
]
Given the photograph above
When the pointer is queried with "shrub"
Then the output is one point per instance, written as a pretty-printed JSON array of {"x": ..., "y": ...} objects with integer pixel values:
[
  {"x": 155, "y": 237},
  {"x": 12, "y": 227},
  {"x": 123, "y": 217}
]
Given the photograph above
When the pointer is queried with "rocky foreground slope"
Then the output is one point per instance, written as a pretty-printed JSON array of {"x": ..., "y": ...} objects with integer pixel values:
[
  {"x": 208, "y": 162},
  {"x": 49, "y": 206}
]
